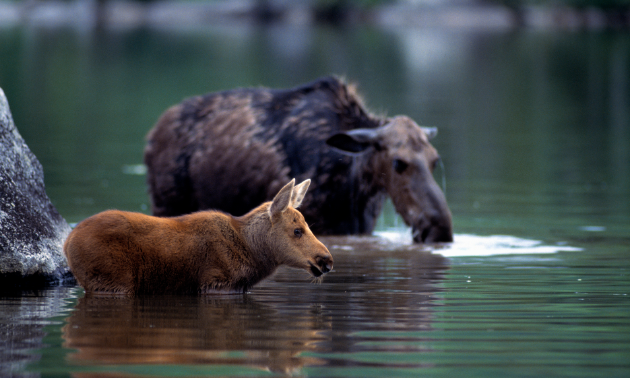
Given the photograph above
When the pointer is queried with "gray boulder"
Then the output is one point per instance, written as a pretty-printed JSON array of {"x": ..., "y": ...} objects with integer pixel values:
[{"x": 31, "y": 230}]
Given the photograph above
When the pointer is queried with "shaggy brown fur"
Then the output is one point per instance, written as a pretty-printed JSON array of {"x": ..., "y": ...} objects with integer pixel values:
[
  {"x": 204, "y": 252},
  {"x": 231, "y": 150}
]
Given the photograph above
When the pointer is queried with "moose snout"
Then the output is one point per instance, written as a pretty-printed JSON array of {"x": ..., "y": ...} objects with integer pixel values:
[
  {"x": 323, "y": 264},
  {"x": 432, "y": 231},
  {"x": 432, "y": 222}
]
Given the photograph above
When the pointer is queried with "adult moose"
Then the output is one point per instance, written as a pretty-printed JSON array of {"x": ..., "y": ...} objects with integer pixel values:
[{"x": 231, "y": 150}]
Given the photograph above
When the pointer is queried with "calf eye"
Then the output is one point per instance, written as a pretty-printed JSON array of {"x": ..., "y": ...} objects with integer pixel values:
[
  {"x": 298, "y": 232},
  {"x": 400, "y": 166}
]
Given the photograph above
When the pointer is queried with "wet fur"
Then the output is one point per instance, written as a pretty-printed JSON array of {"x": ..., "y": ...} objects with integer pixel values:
[
  {"x": 231, "y": 150},
  {"x": 204, "y": 252}
]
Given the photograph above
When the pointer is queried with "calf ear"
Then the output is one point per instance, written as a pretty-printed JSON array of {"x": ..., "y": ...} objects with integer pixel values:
[
  {"x": 282, "y": 200},
  {"x": 298, "y": 193},
  {"x": 353, "y": 141},
  {"x": 430, "y": 131}
]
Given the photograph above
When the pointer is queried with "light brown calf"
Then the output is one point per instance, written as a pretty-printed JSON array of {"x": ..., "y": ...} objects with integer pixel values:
[{"x": 204, "y": 252}]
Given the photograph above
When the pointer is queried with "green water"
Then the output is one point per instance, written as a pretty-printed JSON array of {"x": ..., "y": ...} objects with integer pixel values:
[{"x": 534, "y": 132}]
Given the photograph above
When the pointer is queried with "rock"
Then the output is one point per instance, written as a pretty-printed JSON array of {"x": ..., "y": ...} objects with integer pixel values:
[{"x": 31, "y": 230}]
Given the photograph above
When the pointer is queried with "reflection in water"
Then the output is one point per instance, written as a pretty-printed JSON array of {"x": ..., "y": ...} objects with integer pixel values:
[
  {"x": 274, "y": 327},
  {"x": 235, "y": 329},
  {"x": 23, "y": 319}
]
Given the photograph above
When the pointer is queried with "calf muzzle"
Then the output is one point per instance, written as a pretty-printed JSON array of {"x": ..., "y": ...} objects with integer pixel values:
[{"x": 323, "y": 264}]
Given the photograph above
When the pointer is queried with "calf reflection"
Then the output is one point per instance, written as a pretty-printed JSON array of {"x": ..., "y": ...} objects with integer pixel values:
[{"x": 191, "y": 330}]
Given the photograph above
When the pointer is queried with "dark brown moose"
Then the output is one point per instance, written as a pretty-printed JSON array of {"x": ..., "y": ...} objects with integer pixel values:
[
  {"x": 231, "y": 150},
  {"x": 205, "y": 252}
]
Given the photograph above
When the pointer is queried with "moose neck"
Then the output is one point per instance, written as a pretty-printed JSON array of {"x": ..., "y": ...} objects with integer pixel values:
[
  {"x": 255, "y": 227},
  {"x": 368, "y": 190}
]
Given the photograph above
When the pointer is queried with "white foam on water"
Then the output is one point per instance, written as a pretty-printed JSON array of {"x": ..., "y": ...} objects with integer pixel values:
[{"x": 475, "y": 245}]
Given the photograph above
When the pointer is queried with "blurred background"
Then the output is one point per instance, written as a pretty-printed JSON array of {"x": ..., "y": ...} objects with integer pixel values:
[{"x": 531, "y": 98}]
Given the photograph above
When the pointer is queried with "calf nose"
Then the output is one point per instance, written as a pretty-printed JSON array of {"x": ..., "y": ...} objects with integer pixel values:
[{"x": 325, "y": 263}]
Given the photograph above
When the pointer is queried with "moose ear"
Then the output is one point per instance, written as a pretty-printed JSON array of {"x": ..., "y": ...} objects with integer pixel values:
[
  {"x": 282, "y": 200},
  {"x": 430, "y": 131},
  {"x": 298, "y": 193},
  {"x": 354, "y": 141}
]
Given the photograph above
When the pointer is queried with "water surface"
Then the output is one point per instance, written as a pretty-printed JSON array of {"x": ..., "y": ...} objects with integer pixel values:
[{"x": 384, "y": 311}]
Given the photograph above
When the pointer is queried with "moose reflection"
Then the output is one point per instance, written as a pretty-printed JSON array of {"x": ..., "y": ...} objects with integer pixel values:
[{"x": 189, "y": 330}]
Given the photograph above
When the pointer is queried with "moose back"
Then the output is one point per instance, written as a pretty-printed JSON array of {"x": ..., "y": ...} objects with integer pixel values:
[{"x": 234, "y": 149}]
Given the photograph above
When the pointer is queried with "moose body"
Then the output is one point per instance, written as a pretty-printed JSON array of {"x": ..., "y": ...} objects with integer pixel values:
[
  {"x": 204, "y": 252},
  {"x": 230, "y": 150}
]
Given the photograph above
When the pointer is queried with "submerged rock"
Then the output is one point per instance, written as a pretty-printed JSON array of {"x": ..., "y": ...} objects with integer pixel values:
[{"x": 31, "y": 230}]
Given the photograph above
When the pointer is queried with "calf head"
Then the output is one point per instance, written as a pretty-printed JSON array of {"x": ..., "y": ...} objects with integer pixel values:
[
  {"x": 403, "y": 161},
  {"x": 293, "y": 240}
]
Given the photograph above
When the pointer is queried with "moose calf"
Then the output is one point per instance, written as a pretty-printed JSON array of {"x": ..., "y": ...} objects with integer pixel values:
[{"x": 205, "y": 252}]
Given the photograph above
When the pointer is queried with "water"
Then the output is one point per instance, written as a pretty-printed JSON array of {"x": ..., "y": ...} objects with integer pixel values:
[
  {"x": 534, "y": 136},
  {"x": 383, "y": 312}
]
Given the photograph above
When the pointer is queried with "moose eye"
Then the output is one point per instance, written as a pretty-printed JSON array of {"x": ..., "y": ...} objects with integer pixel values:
[
  {"x": 400, "y": 166},
  {"x": 298, "y": 232}
]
